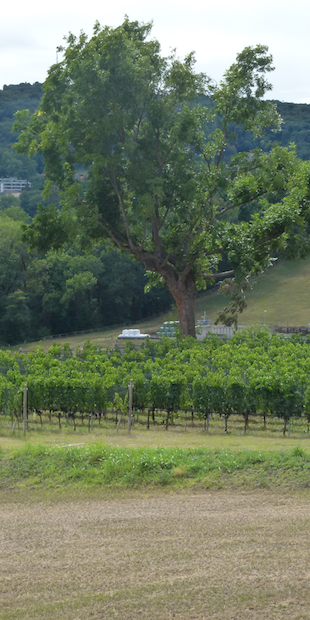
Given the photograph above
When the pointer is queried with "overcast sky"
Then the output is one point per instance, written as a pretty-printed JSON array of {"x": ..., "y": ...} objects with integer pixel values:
[{"x": 216, "y": 31}]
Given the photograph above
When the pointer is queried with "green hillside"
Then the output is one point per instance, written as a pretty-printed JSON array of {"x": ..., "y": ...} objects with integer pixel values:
[{"x": 283, "y": 291}]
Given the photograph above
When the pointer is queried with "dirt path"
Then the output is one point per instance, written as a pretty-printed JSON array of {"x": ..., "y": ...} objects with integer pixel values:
[{"x": 214, "y": 555}]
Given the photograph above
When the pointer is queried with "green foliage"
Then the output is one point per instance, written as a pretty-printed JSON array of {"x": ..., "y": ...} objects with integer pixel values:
[
  {"x": 13, "y": 98},
  {"x": 66, "y": 291},
  {"x": 253, "y": 374},
  {"x": 158, "y": 183},
  {"x": 99, "y": 465}
]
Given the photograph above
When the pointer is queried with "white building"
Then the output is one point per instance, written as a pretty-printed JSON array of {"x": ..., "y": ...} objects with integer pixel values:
[{"x": 13, "y": 186}]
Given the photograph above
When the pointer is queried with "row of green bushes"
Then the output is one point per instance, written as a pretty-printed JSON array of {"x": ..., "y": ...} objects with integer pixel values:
[
  {"x": 254, "y": 373},
  {"x": 215, "y": 394}
]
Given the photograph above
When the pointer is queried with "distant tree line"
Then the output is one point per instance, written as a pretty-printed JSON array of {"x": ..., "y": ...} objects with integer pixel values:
[{"x": 66, "y": 291}]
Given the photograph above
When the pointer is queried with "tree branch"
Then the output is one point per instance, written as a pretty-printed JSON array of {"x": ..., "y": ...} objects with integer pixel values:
[
  {"x": 218, "y": 275},
  {"x": 166, "y": 213},
  {"x": 119, "y": 241},
  {"x": 143, "y": 235},
  {"x": 139, "y": 124},
  {"x": 184, "y": 240},
  {"x": 221, "y": 153},
  {"x": 112, "y": 177},
  {"x": 241, "y": 204}
]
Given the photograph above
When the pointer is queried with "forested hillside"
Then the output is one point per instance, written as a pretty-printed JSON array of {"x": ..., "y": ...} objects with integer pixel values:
[
  {"x": 67, "y": 291},
  {"x": 12, "y": 164},
  {"x": 295, "y": 128}
]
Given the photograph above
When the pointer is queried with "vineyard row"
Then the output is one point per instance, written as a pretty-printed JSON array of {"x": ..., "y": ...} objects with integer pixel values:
[
  {"x": 252, "y": 374},
  {"x": 160, "y": 402}
]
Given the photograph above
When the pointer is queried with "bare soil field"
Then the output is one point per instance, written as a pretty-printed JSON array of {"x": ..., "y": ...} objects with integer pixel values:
[{"x": 209, "y": 555}]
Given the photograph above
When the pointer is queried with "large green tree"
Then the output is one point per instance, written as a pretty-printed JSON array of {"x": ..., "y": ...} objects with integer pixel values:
[{"x": 158, "y": 182}]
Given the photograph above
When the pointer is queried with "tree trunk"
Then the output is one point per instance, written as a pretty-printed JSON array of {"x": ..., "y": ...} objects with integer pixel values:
[
  {"x": 182, "y": 287},
  {"x": 226, "y": 420},
  {"x": 246, "y": 421},
  {"x": 183, "y": 291}
]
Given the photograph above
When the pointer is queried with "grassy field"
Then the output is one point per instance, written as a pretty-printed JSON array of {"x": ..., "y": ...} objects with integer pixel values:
[
  {"x": 154, "y": 525},
  {"x": 94, "y": 467},
  {"x": 201, "y": 555},
  {"x": 183, "y": 433},
  {"x": 283, "y": 291},
  {"x": 56, "y": 460}
]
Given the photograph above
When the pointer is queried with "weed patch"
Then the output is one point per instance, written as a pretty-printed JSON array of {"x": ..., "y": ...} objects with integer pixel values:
[{"x": 99, "y": 465}]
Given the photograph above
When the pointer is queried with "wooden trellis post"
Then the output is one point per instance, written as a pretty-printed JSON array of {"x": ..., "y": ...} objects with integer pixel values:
[
  {"x": 25, "y": 390},
  {"x": 130, "y": 399}
]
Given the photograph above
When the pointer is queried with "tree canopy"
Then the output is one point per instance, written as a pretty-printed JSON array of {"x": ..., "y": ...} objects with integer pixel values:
[{"x": 157, "y": 182}]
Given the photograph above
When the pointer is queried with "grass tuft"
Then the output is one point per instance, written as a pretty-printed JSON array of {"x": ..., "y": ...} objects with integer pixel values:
[
  {"x": 179, "y": 472},
  {"x": 298, "y": 451}
]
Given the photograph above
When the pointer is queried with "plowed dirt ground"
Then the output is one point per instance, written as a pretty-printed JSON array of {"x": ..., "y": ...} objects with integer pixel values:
[{"x": 212, "y": 555}]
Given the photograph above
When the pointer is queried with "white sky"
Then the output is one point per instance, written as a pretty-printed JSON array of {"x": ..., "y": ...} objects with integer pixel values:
[{"x": 216, "y": 31}]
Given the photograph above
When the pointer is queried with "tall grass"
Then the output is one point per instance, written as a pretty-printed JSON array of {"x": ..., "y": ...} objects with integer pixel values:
[{"x": 97, "y": 465}]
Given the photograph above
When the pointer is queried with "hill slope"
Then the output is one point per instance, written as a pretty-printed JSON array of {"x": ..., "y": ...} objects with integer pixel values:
[{"x": 283, "y": 291}]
